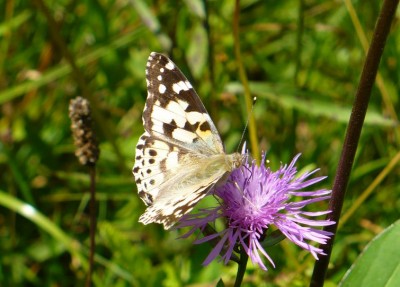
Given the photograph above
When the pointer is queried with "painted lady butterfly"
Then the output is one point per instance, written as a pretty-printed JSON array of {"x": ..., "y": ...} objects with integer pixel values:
[{"x": 180, "y": 156}]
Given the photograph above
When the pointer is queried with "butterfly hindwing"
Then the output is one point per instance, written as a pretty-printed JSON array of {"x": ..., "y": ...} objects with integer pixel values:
[{"x": 175, "y": 200}]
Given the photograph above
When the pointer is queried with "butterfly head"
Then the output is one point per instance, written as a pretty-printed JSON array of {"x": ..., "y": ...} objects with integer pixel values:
[{"x": 236, "y": 160}]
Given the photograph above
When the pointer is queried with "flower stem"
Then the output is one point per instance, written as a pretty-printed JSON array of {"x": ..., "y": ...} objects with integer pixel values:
[
  {"x": 353, "y": 132},
  {"x": 243, "y": 78},
  {"x": 242, "y": 267},
  {"x": 92, "y": 218}
]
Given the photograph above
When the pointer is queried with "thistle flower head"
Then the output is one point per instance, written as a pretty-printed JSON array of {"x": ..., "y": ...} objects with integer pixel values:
[{"x": 255, "y": 198}]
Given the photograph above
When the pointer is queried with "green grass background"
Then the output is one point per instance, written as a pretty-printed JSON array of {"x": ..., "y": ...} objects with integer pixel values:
[{"x": 303, "y": 60}]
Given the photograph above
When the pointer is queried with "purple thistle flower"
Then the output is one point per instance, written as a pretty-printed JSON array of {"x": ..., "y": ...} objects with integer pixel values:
[{"x": 252, "y": 199}]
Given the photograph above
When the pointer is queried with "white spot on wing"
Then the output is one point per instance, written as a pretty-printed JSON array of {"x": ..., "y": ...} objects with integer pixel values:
[
  {"x": 183, "y": 135},
  {"x": 172, "y": 160},
  {"x": 183, "y": 104},
  {"x": 160, "y": 145},
  {"x": 188, "y": 84},
  {"x": 159, "y": 77},
  {"x": 173, "y": 112},
  {"x": 162, "y": 70},
  {"x": 162, "y": 89},
  {"x": 177, "y": 87},
  {"x": 175, "y": 108},
  {"x": 169, "y": 65},
  {"x": 157, "y": 128},
  {"x": 195, "y": 117}
]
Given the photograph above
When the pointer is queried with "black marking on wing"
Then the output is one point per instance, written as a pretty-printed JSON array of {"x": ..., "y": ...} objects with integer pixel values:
[{"x": 186, "y": 100}]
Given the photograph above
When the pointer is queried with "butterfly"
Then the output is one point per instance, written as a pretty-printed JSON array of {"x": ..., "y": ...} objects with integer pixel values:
[{"x": 180, "y": 156}]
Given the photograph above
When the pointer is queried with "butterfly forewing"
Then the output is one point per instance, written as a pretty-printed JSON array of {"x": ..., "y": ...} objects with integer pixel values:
[
  {"x": 180, "y": 156},
  {"x": 174, "y": 111}
]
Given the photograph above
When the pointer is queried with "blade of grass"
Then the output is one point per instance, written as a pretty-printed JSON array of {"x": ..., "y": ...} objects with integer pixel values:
[
  {"x": 379, "y": 80},
  {"x": 243, "y": 78},
  {"x": 287, "y": 97},
  {"x": 64, "y": 69},
  {"x": 19, "y": 178},
  {"x": 152, "y": 23},
  {"x": 364, "y": 195},
  {"x": 73, "y": 246}
]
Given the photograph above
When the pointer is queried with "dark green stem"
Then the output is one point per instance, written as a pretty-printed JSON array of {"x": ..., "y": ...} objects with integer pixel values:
[
  {"x": 241, "y": 267},
  {"x": 92, "y": 218},
  {"x": 353, "y": 132}
]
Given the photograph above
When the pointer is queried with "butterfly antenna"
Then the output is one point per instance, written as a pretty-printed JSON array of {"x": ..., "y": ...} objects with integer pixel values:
[{"x": 247, "y": 123}]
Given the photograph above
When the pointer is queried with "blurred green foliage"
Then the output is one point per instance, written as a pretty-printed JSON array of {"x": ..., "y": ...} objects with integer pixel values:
[{"x": 303, "y": 60}]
